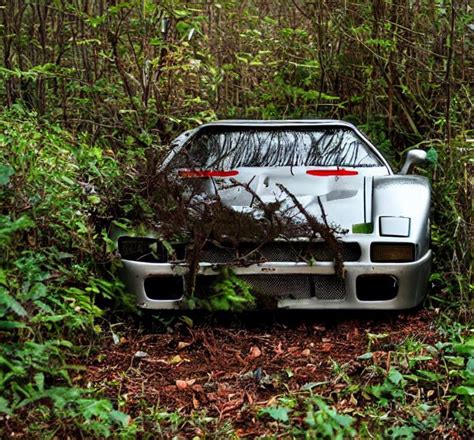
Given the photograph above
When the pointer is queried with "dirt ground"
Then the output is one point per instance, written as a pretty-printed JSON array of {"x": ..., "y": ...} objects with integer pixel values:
[{"x": 230, "y": 363}]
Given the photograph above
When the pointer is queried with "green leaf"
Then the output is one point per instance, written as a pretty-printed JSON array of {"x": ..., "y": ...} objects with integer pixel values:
[
  {"x": 432, "y": 156},
  {"x": 95, "y": 408},
  {"x": 6, "y": 171},
  {"x": 180, "y": 13},
  {"x": 402, "y": 432},
  {"x": 466, "y": 348},
  {"x": 38, "y": 290},
  {"x": 310, "y": 385},
  {"x": 3, "y": 277},
  {"x": 39, "y": 380},
  {"x": 4, "y": 406},
  {"x": 94, "y": 200},
  {"x": 429, "y": 375},
  {"x": 365, "y": 356},
  {"x": 470, "y": 365},
  {"x": 343, "y": 420},
  {"x": 120, "y": 418},
  {"x": 11, "y": 303},
  {"x": 455, "y": 360},
  {"x": 464, "y": 390},
  {"x": 278, "y": 413},
  {"x": 8, "y": 227},
  {"x": 11, "y": 324},
  {"x": 394, "y": 376}
]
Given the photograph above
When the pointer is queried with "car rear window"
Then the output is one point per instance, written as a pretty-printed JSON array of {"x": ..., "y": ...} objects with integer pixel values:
[{"x": 228, "y": 148}]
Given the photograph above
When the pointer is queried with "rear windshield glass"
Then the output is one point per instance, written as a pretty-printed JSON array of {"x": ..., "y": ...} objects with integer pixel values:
[{"x": 227, "y": 148}]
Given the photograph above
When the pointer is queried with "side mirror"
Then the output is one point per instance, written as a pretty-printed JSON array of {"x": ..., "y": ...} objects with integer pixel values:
[{"x": 413, "y": 157}]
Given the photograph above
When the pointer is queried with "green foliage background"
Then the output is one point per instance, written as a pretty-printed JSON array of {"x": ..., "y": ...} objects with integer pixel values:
[{"x": 92, "y": 92}]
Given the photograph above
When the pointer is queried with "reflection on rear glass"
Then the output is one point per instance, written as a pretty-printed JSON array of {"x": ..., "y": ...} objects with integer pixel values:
[{"x": 222, "y": 148}]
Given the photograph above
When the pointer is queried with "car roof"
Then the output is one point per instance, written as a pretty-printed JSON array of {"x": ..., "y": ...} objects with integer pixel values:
[{"x": 278, "y": 123}]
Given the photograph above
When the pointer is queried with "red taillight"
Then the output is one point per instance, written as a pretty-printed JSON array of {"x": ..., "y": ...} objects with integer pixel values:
[
  {"x": 204, "y": 174},
  {"x": 336, "y": 172}
]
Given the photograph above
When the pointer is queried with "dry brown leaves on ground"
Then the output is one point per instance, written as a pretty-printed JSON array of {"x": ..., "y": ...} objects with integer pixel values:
[{"x": 228, "y": 367}]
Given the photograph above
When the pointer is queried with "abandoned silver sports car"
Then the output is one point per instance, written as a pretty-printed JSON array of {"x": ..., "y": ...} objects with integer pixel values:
[{"x": 305, "y": 212}]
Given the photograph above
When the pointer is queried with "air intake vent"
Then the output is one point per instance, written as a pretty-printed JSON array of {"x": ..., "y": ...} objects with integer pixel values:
[
  {"x": 329, "y": 287},
  {"x": 278, "y": 252},
  {"x": 164, "y": 288},
  {"x": 279, "y": 287}
]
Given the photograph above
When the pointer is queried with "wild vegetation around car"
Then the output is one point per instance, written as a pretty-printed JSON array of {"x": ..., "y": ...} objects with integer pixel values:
[{"x": 92, "y": 92}]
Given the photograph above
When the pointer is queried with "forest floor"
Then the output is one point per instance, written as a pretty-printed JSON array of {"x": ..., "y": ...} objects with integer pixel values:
[{"x": 233, "y": 365}]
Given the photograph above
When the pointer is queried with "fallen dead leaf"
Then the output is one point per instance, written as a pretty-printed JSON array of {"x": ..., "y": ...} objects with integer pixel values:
[
  {"x": 198, "y": 388},
  {"x": 183, "y": 384},
  {"x": 271, "y": 401},
  {"x": 249, "y": 398},
  {"x": 306, "y": 352},
  {"x": 255, "y": 352},
  {"x": 182, "y": 344},
  {"x": 278, "y": 349},
  {"x": 230, "y": 406},
  {"x": 326, "y": 347},
  {"x": 239, "y": 358},
  {"x": 176, "y": 359},
  {"x": 169, "y": 389}
]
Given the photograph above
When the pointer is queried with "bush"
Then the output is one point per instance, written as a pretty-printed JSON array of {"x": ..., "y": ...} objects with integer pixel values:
[{"x": 50, "y": 279}]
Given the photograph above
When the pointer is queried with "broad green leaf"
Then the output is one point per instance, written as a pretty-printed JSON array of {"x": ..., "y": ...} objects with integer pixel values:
[
  {"x": 432, "y": 156},
  {"x": 466, "y": 348},
  {"x": 6, "y": 171},
  {"x": 455, "y": 360},
  {"x": 365, "y": 356},
  {"x": 4, "y": 406},
  {"x": 11, "y": 324},
  {"x": 394, "y": 376},
  {"x": 120, "y": 418},
  {"x": 278, "y": 413},
  {"x": 39, "y": 380},
  {"x": 429, "y": 375},
  {"x": 11, "y": 303},
  {"x": 95, "y": 408},
  {"x": 464, "y": 390}
]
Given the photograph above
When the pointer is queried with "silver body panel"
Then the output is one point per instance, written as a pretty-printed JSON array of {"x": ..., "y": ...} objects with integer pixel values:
[
  {"x": 413, "y": 278},
  {"x": 396, "y": 205}
]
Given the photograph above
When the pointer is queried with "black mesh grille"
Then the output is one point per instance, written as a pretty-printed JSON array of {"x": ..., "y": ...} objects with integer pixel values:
[
  {"x": 278, "y": 251},
  {"x": 329, "y": 287},
  {"x": 279, "y": 287},
  {"x": 151, "y": 250}
]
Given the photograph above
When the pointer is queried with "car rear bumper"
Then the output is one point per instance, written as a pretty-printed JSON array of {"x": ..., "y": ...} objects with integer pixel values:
[{"x": 361, "y": 280}]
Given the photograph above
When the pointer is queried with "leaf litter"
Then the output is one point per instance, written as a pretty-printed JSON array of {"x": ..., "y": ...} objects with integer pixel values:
[{"x": 234, "y": 366}]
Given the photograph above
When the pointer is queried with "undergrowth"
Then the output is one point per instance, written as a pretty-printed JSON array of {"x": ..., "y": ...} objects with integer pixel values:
[
  {"x": 50, "y": 274},
  {"x": 58, "y": 196},
  {"x": 91, "y": 91}
]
